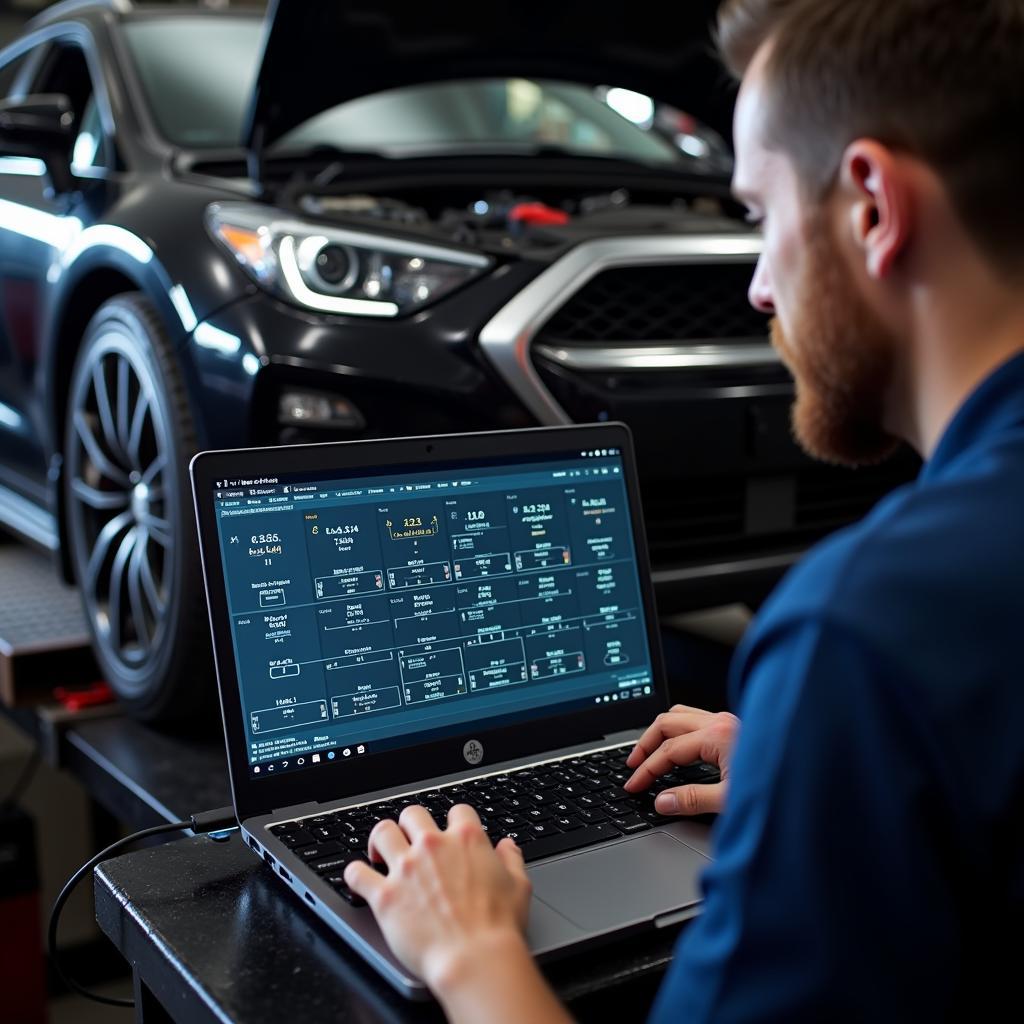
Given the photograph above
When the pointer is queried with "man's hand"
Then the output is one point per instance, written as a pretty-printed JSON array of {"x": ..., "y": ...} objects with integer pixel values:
[
  {"x": 449, "y": 900},
  {"x": 681, "y": 736}
]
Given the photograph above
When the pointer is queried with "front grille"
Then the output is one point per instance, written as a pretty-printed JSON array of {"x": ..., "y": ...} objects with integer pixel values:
[{"x": 677, "y": 302}]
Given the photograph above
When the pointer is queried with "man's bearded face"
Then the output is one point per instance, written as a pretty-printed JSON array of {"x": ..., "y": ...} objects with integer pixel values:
[{"x": 842, "y": 356}]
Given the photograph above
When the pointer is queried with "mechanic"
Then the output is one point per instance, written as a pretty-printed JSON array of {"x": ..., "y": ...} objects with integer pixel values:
[{"x": 870, "y": 854}]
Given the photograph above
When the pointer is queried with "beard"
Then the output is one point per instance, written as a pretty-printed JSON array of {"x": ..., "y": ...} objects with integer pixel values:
[{"x": 842, "y": 357}]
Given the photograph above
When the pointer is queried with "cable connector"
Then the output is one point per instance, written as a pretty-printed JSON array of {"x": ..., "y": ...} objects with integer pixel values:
[{"x": 213, "y": 821}]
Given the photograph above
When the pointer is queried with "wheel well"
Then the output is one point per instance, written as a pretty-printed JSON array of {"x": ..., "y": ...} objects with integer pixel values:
[{"x": 90, "y": 293}]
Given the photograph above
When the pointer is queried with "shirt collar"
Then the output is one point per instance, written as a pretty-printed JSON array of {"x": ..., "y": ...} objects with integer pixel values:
[{"x": 995, "y": 405}]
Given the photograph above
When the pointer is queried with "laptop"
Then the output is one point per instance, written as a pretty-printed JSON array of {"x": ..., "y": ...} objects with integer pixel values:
[{"x": 454, "y": 619}]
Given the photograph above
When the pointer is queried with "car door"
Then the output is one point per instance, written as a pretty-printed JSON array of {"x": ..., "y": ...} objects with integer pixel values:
[
  {"x": 21, "y": 460},
  {"x": 36, "y": 225}
]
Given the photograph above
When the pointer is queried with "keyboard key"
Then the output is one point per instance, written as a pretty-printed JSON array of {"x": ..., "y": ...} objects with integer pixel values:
[
  {"x": 699, "y": 773},
  {"x": 590, "y": 816},
  {"x": 630, "y": 824},
  {"x": 568, "y": 823},
  {"x": 300, "y": 837},
  {"x": 537, "y": 814},
  {"x": 336, "y": 879},
  {"x": 572, "y": 790},
  {"x": 566, "y": 841},
  {"x": 339, "y": 886},
  {"x": 615, "y": 793},
  {"x": 335, "y": 864},
  {"x": 318, "y": 850},
  {"x": 541, "y": 799},
  {"x": 541, "y": 829},
  {"x": 326, "y": 831}
]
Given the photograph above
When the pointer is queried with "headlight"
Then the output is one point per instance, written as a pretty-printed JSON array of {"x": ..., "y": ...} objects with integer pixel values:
[{"x": 337, "y": 270}]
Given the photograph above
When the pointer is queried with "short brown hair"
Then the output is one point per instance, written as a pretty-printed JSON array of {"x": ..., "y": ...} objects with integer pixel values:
[{"x": 940, "y": 79}]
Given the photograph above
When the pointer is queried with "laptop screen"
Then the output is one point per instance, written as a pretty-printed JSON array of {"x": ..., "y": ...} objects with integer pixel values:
[{"x": 390, "y": 609}]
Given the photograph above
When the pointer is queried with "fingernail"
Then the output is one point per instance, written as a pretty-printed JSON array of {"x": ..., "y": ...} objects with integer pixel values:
[
  {"x": 666, "y": 803},
  {"x": 629, "y": 782}
]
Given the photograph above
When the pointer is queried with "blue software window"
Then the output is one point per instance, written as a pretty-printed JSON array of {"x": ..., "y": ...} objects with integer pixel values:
[{"x": 382, "y": 611}]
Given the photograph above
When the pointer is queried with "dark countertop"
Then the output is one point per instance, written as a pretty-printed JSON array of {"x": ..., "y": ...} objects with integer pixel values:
[{"x": 215, "y": 938}]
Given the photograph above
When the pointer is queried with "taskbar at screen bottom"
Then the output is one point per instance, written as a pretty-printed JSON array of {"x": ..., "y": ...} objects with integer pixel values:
[{"x": 354, "y": 752}]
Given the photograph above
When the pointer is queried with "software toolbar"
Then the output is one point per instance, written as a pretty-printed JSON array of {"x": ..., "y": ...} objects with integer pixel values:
[{"x": 366, "y": 610}]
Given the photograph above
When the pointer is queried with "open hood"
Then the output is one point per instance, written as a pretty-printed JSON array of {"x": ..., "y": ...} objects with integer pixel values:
[{"x": 319, "y": 53}]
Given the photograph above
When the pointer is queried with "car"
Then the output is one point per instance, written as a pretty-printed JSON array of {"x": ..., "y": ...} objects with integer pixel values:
[{"x": 336, "y": 221}]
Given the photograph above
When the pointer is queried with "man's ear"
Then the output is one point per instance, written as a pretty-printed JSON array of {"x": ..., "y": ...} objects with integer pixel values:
[{"x": 876, "y": 186}]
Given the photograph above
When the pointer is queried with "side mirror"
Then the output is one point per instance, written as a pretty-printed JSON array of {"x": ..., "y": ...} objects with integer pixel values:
[{"x": 40, "y": 126}]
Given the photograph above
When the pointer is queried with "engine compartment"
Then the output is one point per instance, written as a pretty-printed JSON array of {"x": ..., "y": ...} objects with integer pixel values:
[{"x": 510, "y": 221}]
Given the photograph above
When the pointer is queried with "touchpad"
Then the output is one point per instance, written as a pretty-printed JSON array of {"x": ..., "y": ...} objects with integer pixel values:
[{"x": 621, "y": 884}]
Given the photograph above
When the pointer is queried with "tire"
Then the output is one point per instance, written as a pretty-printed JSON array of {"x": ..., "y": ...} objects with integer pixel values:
[{"x": 128, "y": 438}]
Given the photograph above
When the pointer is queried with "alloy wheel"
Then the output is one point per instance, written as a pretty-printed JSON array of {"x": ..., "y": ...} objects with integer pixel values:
[{"x": 121, "y": 483}]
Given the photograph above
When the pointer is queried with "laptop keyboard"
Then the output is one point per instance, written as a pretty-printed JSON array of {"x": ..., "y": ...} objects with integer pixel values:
[{"x": 548, "y": 808}]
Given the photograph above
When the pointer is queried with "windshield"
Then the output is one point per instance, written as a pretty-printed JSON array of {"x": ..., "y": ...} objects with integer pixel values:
[{"x": 197, "y": 74}]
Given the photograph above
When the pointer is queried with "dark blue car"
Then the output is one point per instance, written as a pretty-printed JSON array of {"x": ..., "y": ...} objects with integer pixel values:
[{"x": 348, "y": 220}]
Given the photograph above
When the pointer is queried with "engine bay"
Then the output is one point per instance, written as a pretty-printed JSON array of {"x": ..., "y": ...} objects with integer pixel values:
[{"x": 508, "y": 221}]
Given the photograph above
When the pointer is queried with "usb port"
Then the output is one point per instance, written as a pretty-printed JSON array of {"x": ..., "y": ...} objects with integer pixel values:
[
  {"x": 309, "y": 896},
  {"x": 284, "y": 874}
]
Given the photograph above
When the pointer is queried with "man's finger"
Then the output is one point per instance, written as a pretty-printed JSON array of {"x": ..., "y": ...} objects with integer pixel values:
[
  {"x": 462, "y": 814},
  {"x": 511, "y": 855},
  {"x": 674, "y": 723},
  {"x": 679, "y": 750},
  {"x": 415, "y": 820},
  {"x": 364, "y": 881},
  {"x": 687, "y": 800},
  {"x": 387, "y": 842}
]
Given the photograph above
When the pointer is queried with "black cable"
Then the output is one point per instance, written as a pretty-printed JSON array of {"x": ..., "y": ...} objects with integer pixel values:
[
  {"x": 205, "y": 821},
  {"x": 24, "y": 779}
]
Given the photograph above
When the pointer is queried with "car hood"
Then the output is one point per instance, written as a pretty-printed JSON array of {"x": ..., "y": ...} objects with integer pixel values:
[{"x": 321, "y": 53}]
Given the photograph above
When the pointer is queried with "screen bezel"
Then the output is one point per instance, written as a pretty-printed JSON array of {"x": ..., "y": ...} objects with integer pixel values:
[{"x": 337, "y": 780}]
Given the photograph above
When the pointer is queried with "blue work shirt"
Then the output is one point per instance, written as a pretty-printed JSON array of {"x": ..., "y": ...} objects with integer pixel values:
[{"x": 870, "y": 860}]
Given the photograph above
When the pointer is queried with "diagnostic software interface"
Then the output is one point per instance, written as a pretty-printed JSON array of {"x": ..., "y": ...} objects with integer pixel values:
[{"x": 374, "y": 612}]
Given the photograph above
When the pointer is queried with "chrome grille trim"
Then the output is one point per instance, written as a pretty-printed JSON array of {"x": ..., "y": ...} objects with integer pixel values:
[{"x": 507, "y": 337}]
